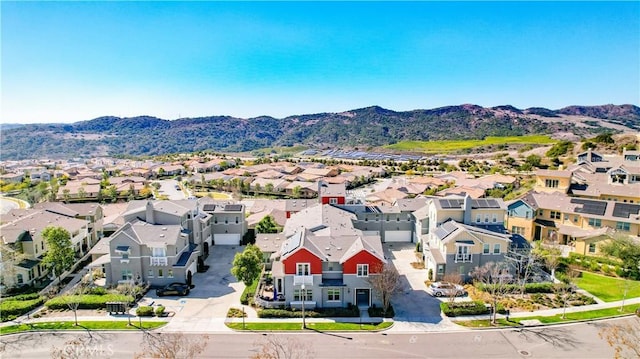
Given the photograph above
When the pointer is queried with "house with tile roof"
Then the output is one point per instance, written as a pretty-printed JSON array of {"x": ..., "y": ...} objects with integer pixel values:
[
  {"x": 325, "y": 261},
  {"x": 460, "y": 233},
  {"x": 580, "y": 223},
  {"x": 21, "y": 231},
  {"x": 142, "y": 252}
]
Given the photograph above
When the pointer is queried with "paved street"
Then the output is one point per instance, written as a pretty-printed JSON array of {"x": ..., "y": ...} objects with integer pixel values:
[
  {"x": 168, "y": 187},
  {"x": 566, "y": 341}
]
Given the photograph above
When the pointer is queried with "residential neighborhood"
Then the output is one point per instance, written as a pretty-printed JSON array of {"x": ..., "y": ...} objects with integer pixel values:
[{"x": 336, "y": 231}]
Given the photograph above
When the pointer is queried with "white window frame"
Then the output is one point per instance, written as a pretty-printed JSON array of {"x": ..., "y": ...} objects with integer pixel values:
[
  {"x": 300, "y": 268},
  {"x": 160, "y": 273},
  {"x": 362, "y": 270},
  {"x": 486, "y": 248},
  {"x": 333, "y": 295},
  {"x": 494, "y": 218},
  {"x": 150, "y": 274},
  {"x": 463, "y": 254},
  {"x": 478, "y": 218},
  {"x": 498, "y": 247},
  {"x": 333, "y": 200}
]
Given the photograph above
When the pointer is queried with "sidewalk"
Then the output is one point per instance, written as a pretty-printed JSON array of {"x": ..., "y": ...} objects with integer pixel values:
[
  {"x": 215, "y": 324},
  {"x": 551, "y": 312}
]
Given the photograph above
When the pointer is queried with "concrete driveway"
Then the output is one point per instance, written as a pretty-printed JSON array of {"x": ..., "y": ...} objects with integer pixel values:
[
  {"x": 216, "y": 290},
  {"x": 415, "y": 309}
]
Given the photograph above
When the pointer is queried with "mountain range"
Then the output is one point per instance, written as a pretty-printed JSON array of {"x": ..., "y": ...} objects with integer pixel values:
[{"x": 368, "y": 127}]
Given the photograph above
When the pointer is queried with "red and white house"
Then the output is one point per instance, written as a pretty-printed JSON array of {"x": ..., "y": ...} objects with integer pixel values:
[
  {"x": 327, "y": 264},
  {"x": 331, "y": 193}
]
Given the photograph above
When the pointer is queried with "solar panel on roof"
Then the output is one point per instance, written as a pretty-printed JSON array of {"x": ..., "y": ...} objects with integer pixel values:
[
  {"x": 590, "y": 207},
  {"x": 492, "y": 203},
  {"x": 624, "y": 210},
  {"x": 233, "y": 207},
  {"x": 209, "y": 207}
]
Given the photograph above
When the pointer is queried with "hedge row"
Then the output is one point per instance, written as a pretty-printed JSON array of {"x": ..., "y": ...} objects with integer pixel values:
[
  {"x": 316, "y": 313},
  {"x": 378, "y": 312},
  {"x": 249, "y": 292},
  {"x": 528, "y": 288},
  {"x": 88, "y": 301},
  {"x": 464, "y": 308},
  {"x": 11, "y": 309},
  {"x": 28, "y": 296}
]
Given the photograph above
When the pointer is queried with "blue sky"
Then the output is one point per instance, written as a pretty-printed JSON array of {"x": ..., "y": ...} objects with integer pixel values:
[{"x": 74, "y": 61}]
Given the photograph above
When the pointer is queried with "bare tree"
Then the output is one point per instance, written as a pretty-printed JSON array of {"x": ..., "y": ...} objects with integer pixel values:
[
  {"x": 282, "y": 347},
  {"x": 73, "y": 299},
  {"x": 564, "y": 291},
  {"x": 494, "y": 279},
  {"x": 624, "y": 338},
  {"x": 172, "y": 346},
  {"x": 385, "y": 282},
  {"x": 456, "y": 280},
  {"x": 524, "y": 264}
]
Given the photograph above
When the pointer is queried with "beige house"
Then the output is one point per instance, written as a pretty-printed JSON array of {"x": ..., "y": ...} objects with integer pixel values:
[
  {"x": 578, "y": 222},
  {"x": 22, "y": 232},
  {"x": 460, "y": 233}
]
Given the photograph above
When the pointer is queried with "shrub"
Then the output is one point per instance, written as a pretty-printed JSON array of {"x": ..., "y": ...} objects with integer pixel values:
[
  {"x": 11, "y": 309},
  {"x": 284, "y": 313},
  {"x": 316, "y": 313},
  {"x": 430, "y": 274},
  {"x": 249, "y": 293},
  {"x": 19, "y": 297},
  {"x": 89, "y": 301},
  {"x": 144, "y": 311},
  {"x": 97, "y": 291},
  {"x": 464, "y": 308},
  {"x": 159, "y": 311},
  {"x": 236, "y": 313},
  {"x": 378, "y": 312}
]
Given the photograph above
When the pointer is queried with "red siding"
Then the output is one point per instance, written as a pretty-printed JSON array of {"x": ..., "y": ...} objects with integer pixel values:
[
  {"x": 302, "y": 256},
  {"x": 363, "y": 257},
  {"x": 341, "y": 200}
]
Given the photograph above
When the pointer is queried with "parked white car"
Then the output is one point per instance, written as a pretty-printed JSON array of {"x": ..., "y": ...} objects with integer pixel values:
[{"x": 445, "y": 289}]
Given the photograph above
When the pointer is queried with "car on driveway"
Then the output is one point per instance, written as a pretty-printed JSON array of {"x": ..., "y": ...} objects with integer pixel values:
[
  {"x": 445, "y": 289},
  {"x": 173, "y": 289}
]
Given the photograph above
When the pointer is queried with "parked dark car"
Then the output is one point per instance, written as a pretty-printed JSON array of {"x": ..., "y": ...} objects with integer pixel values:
[{"x": 173, "y": 289}]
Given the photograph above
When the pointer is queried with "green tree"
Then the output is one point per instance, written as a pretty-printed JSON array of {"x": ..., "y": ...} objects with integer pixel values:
[
  {"x": 267, "y": 225},
  {"x": 604, "y": 138},
  {"x": 296, "y": 191},
  {"x": 268, "y": 187},
  {"x": 60, "y": 255},
  {"x": 247, "y": 265},
  {"x": 533, "y": 160},
  {"x": 628, "y": 251}
]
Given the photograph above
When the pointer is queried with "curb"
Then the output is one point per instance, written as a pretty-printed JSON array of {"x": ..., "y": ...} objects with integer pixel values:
[{"x": 521, "y": 326}]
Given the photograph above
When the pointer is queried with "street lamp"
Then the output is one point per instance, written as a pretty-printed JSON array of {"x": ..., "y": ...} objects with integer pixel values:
[{"x": 304, "y": 296}]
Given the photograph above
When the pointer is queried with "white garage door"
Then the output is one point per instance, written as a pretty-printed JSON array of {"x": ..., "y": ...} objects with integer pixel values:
[
  {"x": 226, "y": 239},
  {"x": 397, "y": 236}
]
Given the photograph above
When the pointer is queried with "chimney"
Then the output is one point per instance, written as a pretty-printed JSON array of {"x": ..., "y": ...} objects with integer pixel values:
[
  {"x": 149, "y": 213},
  {"x": 467, "y": 209}
]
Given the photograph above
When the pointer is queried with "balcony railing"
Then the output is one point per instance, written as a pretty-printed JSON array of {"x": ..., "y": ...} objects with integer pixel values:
[
  {"x": 158, "y": 261},
  {"x": 463, "y": 257},
  {"x": 302, "y": 279}
]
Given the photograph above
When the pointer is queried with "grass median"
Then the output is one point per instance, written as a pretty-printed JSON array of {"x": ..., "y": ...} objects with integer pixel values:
[
  {"x": 329, "y": 327},
  {"x": 554, "y": 319},
  {"x": 82, "y": 325}
]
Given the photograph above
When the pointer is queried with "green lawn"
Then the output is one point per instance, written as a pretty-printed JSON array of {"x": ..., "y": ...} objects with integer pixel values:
[
  {"x": 457, "y": 145},
  {"x": 606, "y": 288},
  {"x": 82, "y": 325},
  {"x": 316, "y": 326},
  {"x": 590, "y": 314}
]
